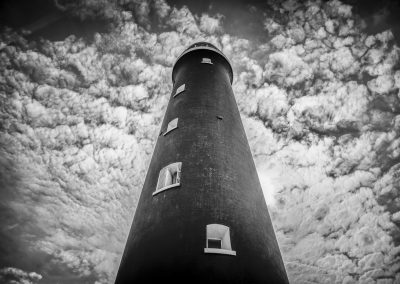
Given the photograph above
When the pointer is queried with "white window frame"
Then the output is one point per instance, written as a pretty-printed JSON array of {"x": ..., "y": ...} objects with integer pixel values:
[
  {"x": 180, "y": 90},
  {"x": 222, "y": 233},
  {"x": 173, "y": 124},
  {"x": 206, "y": 60},
  {"x": 165, "y": 175}
]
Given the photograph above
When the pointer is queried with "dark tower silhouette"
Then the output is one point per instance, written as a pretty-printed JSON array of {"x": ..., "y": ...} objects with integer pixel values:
[{"x": 202, "y": 217}]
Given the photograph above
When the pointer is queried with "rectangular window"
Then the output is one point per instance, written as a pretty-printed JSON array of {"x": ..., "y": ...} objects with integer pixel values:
[
  {"x": 173, "y": 124},
  {"x": 218, "y": 240},
  {"x": 174, "y": 177},
  {"x": 206, "y": 60},
  {"x": 179, "y": 90},
  {"x": 169, "y": 177},
  {"x": 214, "y": 243}
]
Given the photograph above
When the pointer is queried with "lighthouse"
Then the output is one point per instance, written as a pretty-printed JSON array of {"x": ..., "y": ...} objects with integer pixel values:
[{"x": 202, "y": 216}]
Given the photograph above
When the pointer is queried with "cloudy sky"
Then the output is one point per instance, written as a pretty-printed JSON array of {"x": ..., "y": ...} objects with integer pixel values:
[{"x": 83, "y": 89}]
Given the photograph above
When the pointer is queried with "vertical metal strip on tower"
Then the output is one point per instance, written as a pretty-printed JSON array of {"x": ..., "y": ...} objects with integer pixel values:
[{"x": 213, "y": 225}]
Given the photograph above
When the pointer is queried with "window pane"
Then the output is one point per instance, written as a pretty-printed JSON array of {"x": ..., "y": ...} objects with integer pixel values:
[
  {"x": 169, "y": 177},
  {"x": 219, "y": 232},
  {"x": 206, "y": 60},
  {"x": 171, "y": 125},
  {"x": 174, "y": 177},
  {"x": 212, "y": 243},
  {"x": 218, "y": 240},
  {"x": 179, "y": 90}
]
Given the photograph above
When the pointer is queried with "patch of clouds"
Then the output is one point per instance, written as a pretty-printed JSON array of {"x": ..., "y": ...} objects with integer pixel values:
[
  {"x": 184, "y": 22},
  {"x": 381, "y": 84},
  {"x": 11, "y": 275},
  {"x": 117, "y": 11},
  {"x": 336, "y": 107},
  {"x": 210, "y": 25},
  {"x": 286, "y": 68}
]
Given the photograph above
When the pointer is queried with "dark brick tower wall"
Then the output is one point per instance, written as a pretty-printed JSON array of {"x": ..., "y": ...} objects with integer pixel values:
[{"x": 218, "y": 185}]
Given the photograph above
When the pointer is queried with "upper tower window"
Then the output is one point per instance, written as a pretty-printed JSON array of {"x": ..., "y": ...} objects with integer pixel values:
[
  {"x": 218, "y": 240},
  {"x": 206, "y": 60},
  {"x": 171, "y": 125},
  {"x": 179, "y": 90},
  {"x": 170, "y": 176}
]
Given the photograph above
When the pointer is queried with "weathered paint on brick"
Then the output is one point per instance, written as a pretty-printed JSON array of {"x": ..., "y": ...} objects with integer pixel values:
[{"x": 219, "y": 184}]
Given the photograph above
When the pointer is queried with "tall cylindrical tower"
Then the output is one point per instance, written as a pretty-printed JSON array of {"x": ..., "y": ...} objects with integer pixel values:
[{"x": 202, "y": 217}]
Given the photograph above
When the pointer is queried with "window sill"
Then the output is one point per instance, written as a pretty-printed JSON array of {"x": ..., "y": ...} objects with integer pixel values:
[
  {"x": 170, "y": 131},
  {"x": 165, "y": 188},
  {"x": 220, "y": 251},
  {"x": 177, "y": 94}
]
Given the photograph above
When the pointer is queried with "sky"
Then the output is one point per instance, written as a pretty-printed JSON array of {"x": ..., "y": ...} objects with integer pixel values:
[{"x": 83, "y": 90}]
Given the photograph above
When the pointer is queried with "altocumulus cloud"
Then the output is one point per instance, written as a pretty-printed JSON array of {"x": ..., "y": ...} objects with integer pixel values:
[{"x": 319, "y": 99}]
